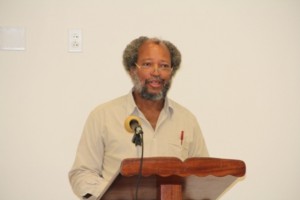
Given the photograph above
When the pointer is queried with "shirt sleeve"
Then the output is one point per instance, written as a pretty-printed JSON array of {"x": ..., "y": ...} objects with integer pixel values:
[
  {"x": 198, "y": 146},
  {"x": 86, "y": 173}
]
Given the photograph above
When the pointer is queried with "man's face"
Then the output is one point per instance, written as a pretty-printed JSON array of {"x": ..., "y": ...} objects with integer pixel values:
[{"x": 151, "y": 77}]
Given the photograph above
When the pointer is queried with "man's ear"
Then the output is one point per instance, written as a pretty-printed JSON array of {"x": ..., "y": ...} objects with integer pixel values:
[{"x": 132, "y": 71}]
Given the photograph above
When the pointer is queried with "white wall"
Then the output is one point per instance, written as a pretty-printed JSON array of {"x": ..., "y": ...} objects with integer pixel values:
[{"x": 240, "y": 76}]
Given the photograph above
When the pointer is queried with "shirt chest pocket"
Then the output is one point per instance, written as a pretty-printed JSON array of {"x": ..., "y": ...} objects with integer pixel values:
[{"x": 178, "y": 148}]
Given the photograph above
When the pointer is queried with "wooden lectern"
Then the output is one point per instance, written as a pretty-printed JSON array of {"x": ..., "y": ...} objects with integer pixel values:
[{"x": 169, "y": 178}]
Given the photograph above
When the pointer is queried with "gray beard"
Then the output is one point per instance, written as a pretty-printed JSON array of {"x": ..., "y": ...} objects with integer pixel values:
[{"x": 142, "y": 89}]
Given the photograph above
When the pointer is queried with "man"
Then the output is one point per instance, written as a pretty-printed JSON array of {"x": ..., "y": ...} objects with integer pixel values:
[{"x": 169, "y": 129}]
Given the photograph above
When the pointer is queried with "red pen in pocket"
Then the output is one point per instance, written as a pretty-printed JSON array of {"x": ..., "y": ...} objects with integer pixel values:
[{"x": 181, "y": 137}]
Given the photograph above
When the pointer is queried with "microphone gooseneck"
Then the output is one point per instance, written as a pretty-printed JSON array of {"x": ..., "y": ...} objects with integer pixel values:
[{"x": 132, "y": 125}]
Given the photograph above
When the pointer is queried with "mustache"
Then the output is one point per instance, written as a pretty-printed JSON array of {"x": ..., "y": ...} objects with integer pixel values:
[{"x": 157, "y": 79}]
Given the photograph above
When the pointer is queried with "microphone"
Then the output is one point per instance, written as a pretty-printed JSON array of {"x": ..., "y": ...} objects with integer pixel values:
[{"x": 133, "y": 125}]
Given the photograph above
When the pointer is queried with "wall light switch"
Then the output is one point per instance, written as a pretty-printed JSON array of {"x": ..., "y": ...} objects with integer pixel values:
[{"x": 75, "y": 40}]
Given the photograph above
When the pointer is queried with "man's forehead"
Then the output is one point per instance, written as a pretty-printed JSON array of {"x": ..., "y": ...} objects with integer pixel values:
[{"x": 152, "y": 43}]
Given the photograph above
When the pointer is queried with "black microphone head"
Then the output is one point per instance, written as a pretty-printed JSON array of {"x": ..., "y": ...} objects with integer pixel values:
[{"x": 131, "y": 123}]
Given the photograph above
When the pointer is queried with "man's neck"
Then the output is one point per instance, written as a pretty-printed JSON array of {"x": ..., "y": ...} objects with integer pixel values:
[{"x": 150, "y": 108}]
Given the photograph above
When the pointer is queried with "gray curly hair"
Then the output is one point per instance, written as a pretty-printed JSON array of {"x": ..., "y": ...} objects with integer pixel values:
[{"x": 130, "y": 54}]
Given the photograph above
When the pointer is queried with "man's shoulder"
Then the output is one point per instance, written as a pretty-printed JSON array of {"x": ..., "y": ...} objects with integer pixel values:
[
  {"x": 179, "y": 108},
  {"x": 175, "y": 105},
  {"x": 112, "y": 104}
]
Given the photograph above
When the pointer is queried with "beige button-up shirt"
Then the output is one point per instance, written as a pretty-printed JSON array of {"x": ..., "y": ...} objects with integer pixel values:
[{"x": 105, "y": 142}]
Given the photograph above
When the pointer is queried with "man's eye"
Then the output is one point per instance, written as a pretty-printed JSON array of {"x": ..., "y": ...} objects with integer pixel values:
[
  {"x": 165, "y": 66},
  {"x": 146, "y": 65}
]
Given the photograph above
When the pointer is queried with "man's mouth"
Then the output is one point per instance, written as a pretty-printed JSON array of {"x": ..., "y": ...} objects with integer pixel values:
[{"x": 155, "y": 83}]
